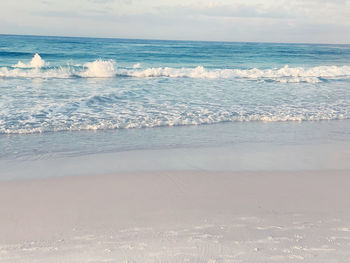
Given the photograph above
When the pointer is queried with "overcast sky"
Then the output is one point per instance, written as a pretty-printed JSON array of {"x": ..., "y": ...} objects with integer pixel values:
[{"x": 311, "y": 21}]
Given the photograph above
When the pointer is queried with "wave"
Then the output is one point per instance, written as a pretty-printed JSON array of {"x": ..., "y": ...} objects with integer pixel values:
[
  {"x": 157, "y": 123},
  {"x": 36, "y": 62},
  {"x": 99, "y": 69},
  {"x": 284, "y": 75},
  {"x": 38, "y": 68}
]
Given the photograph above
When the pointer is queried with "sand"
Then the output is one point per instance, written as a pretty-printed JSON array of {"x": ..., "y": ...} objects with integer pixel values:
[{"x": 178, "y": 217}]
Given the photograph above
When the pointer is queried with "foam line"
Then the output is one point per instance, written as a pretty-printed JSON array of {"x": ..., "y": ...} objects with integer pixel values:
[{"x": 38, "y": 68}]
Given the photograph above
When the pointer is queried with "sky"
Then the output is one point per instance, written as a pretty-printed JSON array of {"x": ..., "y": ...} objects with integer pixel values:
[{"x": 305, "y": 21}]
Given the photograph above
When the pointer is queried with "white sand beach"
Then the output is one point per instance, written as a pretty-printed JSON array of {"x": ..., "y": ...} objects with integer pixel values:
[{"x": 178, "y": 217}]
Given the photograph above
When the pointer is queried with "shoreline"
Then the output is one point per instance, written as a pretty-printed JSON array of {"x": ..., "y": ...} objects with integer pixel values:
[{"x": 253, "y": 216}]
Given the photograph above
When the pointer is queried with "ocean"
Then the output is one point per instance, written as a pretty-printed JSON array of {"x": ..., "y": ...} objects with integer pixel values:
[{"x": 77, "y": 98}]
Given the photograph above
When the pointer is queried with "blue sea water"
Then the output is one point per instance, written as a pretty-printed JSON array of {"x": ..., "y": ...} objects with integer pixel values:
[{"x": 63, "y": 96}]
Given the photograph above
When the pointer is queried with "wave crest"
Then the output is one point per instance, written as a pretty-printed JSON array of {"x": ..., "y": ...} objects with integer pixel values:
[
  {"x": 36, "y": 62},
  {"x": 38, "y": 68},
  {"x": 99, "y": 69},
  {"x": 285, "y": 74}
]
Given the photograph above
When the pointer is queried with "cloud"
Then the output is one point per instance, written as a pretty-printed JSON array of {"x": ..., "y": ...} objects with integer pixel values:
[
  {"x": 112, "y": 1},
  {"x": 239, "y": 20},
  {"x": 224, "y": 10}
]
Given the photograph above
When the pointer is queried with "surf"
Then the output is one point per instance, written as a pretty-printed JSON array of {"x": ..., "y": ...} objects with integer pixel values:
[{"x": 39, "y": 68}]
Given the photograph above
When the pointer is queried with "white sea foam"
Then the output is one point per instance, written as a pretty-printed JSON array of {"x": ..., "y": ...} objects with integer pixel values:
[
  {"x": 36, "y": 62},
  {"x": 108, "y": 69},
  {"x": 59, "y": 72},
  {"x": 285, "y": 74},
  {"x": 135, "y": 118},
  {"x": 99, "y": 69}
]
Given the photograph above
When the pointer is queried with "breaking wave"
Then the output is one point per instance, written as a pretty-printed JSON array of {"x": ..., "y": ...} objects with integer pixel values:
[
  {"x": 285, "y": 74},
  {"x": 38, "y": 68},
  {"x": 36, "y": 62},
  {"x": 135, "y": 122},
  {"x": 99, "y": 69}
]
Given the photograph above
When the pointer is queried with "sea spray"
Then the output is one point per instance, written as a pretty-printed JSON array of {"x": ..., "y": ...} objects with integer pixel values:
[
  {"x": 36, "y": 62},
  {"x": 99, "y": 69}
]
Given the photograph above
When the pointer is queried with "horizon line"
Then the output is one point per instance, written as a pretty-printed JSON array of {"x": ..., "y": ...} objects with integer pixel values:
[{"x": 175, "y": 40}]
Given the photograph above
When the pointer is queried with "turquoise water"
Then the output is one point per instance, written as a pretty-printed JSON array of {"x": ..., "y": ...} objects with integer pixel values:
[
  {"x": 51, "y": 84},
  {"x": 73, "y": 96}
]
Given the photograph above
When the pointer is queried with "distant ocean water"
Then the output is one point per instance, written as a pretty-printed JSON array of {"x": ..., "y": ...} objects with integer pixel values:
[{"x": 59, "y": 84}]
